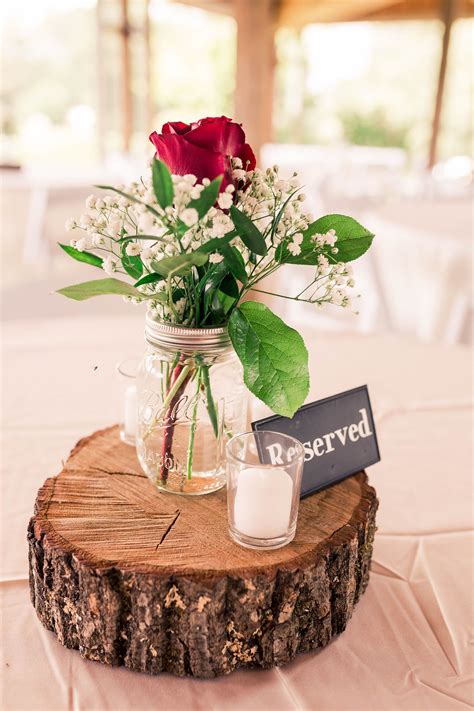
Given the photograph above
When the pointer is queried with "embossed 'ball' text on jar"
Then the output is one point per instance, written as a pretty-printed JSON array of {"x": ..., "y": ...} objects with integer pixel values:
[{"x": 191, "y": 401}]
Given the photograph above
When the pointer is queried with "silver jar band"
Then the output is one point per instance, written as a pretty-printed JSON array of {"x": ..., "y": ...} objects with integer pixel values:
[{"x": 209, "y": 340}]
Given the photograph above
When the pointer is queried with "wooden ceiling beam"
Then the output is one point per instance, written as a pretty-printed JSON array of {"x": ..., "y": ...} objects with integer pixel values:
[{"x": 298, "y": 13}]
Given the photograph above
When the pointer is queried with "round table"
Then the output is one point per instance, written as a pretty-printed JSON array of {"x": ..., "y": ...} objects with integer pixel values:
[{"x": 407, "y": 645}]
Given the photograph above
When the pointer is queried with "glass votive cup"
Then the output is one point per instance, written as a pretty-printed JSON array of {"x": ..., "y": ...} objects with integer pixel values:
[
  {"x": 127, "y": 371},
  {"x": 264, "y": 471}
]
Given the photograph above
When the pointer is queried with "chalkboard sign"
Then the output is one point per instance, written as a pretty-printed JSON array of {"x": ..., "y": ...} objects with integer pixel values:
[{"x": 338, "y": 435}]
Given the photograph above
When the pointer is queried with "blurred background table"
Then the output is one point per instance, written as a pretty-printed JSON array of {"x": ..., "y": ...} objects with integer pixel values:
[{"x": 407, "y": 646}]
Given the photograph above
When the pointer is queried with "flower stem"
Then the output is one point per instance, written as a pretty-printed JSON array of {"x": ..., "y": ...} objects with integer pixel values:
[
  {"x": 192, "y": 432},
  {"x": 211, "y": 407},
  {"x": 175, "y": 387},
  {"x": 179, "y": 380}
]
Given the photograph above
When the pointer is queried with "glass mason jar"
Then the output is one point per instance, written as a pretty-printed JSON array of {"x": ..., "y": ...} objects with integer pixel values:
[{"x": 191, "y": 401}]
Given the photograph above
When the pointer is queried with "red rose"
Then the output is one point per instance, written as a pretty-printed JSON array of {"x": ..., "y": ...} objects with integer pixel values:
[{"x": 203, "y": 148}]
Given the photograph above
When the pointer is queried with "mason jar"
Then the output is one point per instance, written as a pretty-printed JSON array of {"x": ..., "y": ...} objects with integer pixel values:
[{"x": 191, "y": 401}]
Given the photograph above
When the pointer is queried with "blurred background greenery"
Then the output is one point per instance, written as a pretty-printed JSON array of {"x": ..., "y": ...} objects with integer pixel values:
[
  {"x": 345, "y": 92},
  {"x": 365, "y": 83}
]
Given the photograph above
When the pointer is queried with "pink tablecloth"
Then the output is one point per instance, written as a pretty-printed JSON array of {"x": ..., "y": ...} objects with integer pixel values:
[{"x": 408, "y": 643}]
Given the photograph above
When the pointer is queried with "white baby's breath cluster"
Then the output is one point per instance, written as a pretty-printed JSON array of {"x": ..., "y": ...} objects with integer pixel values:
[
  {"x": 268, "y": 199},
  {"x": 129, "y": 224}
]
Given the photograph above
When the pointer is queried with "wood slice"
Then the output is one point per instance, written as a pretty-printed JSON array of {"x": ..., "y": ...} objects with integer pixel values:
[{"x": 131, "y": 576}]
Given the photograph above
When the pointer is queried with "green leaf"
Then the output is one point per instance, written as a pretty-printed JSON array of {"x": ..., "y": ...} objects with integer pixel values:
[
  {"x": 225, "y": 300},
  {"x": 179, "y": 265},
  {"x": 162, "y": 183},
  {"x": 235, "y": 263},
  {"x": 273, "y": 355},
  {"x": 207, "y": 198},
  {"x": 99, "y": 287},
  {"x": 149, "y": 279},
  {"x": 229, "y": 287},
  {"x": 216, "y": 307},
  {"x": 248, "y": 232},
  {"x": 86, "y": 257},
  {"x": 211, "y": 281},
  {"x": 216, "y": 243},
  {"x": 352, "y": 240},
  {"x": 132, "y": 264}
]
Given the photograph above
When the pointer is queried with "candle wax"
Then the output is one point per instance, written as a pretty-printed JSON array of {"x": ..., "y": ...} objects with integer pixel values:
[
  {"x": 262, "y": 505},
  {"x": 130, "y": 411}
]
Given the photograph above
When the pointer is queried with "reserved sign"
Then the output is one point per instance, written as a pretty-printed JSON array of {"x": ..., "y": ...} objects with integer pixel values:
[{"x": 338, "y": 435}]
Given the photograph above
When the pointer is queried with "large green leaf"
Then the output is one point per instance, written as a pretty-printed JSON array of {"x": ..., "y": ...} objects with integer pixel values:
[
  {"x": 235, "y": 263},
  {"x": 248, "y": 232},
  {"x": 162, "y": 183},
  {"x": 86, "y": 257},
  {"x": 179, "y": 265},
  {"x": 98, "y": 287},
  {"x": 352, "y": 240},
  {"x": 273, "y": 355}
]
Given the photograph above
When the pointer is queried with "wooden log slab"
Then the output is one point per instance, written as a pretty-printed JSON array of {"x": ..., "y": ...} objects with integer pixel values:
[{"x": 131, "y": 576}]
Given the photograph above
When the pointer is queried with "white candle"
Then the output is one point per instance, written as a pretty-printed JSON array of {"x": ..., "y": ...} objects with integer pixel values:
[
  {"x": 130, "y": 411},
  {"x": 262, "y": 503}
]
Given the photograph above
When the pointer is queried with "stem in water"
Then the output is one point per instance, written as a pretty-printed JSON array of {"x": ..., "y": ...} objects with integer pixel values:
[
  {"x": 179, "y": 379},
  {"x": 211, "y": 407},
  {"x": 192, "y": 432}
]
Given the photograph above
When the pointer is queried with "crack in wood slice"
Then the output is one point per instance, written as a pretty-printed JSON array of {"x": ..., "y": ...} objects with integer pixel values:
[{"x": 128, "y": 575}]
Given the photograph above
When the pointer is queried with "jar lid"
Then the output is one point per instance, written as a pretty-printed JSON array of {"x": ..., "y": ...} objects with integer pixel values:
[{"x": 185, "y": 338}]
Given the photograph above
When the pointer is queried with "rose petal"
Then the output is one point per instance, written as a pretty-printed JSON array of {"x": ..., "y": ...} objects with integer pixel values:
[
  {"x": 247, "y": 157},
  {"x": 218, "y": 134},
  {"x": 182, "y": 157},
  {"x": 175, "y": 127}
]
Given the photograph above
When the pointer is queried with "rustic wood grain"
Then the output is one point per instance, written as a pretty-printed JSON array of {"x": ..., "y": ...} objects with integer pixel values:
[{"x": 131, "y": 576}]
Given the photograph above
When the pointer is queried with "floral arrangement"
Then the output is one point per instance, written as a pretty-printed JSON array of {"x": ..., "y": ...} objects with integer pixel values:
[{"x": 198, "y": 233}]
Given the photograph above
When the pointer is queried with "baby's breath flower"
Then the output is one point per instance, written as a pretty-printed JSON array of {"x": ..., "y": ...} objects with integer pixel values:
[
  {"x": 98, "y": 240},
  {"x": 195, "y": 193},
  {"x": 239, "y": 174},
  {"x": 146, "y": 222},
  {"x": 216, "y": 258},
  {"x": 189, "y": 216},
  {"x": 109, "y": 265},
  {"x": 70, "y": 225},
  {"x": 132, "y": 249},
  {"x": 146, "y": 254},
  {"x": 90, "y": 202},
  {"x": 330, "y": 237},
  {"x": 294, "y": 249},
  {"x": 85, "y": 220},
  {"x": 224, "y": 201},
  {"x": 323, "y": 263}
]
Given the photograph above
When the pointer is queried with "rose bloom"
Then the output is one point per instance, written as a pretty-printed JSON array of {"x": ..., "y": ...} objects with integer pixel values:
[{"x": 203, "y": 148}]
